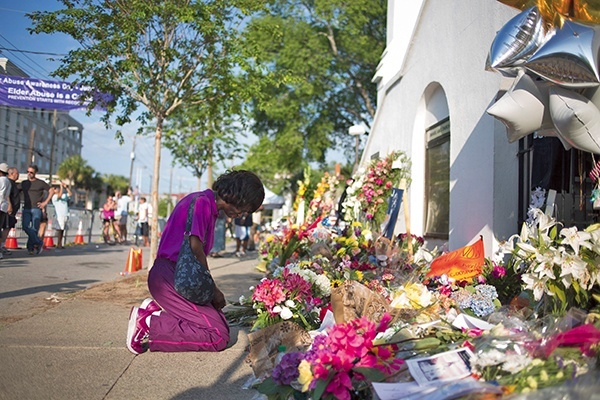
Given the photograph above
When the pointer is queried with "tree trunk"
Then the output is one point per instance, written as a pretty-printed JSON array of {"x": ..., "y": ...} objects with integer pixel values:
[{"x": 155, "y": 180}]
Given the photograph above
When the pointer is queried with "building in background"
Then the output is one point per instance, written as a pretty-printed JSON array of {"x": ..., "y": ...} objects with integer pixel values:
[
  {"x": 27, "y": 135},
  {"x": 433, "y": 94}
]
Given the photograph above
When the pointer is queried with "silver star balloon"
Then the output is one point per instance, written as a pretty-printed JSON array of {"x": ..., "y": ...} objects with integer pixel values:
[
  {"x": 570, "y": 57},
  {"x": 518, "y": 39}
]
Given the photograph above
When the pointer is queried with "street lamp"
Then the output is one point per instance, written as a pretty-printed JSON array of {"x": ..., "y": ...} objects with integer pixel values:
[
  {"x": 356, "y": 130},
  {"x": 54, "y": 133}
]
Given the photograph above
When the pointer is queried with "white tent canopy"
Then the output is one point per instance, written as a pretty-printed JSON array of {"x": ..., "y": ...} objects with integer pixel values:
[{"x": 272, "y": 201}]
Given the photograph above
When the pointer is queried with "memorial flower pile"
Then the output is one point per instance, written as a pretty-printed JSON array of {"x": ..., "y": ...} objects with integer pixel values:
[{"x": 371, "y": 307}]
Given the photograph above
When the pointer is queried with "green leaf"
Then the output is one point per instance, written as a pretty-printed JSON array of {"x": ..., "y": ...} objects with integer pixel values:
[
  {"x": 268, "y": 387},
  {"x": 320, "y": 388},
  {"x": 372, "y": 374},
  {"x": 557, "y": 291}
]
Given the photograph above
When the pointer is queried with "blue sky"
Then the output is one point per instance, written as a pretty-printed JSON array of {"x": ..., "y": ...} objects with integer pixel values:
[{"x": 100, "y": 149}]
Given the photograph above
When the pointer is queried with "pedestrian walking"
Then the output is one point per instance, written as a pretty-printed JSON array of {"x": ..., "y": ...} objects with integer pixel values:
[
  {"x": 5, "y": 206},
  {"x": 60, "y": 199},
  {"x": 15, "y": 202},
  {"x": 220, "y": 228},
  {"x": 242, "y": 234},
  {"x": 107, "y": 212},
  {"x": 143, "y": 217},
  {"x": 170, "y": 322},
  {"x": 36, "y": 194},
  {"x": 122, "y": 214}
]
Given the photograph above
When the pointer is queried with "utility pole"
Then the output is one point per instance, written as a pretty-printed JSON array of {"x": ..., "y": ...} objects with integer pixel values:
[
  {"x": 52, "y": 146},
  {"x": 30, "y": 156},
  {"x": 132, "y": 159}
]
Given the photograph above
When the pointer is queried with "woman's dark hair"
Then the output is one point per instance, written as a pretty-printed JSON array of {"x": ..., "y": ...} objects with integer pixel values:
[{"x": 242, "y": 189}]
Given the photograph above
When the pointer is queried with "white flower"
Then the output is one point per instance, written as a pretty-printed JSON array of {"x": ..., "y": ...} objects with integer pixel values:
[
  {"x": 290, "y": 303},
  {"x": 515, "y": 363},
  {"x": 489, "y": 358},
  {"x": 251, "y": 288},
  {"x": 576, "y": 239},
  {"x": 242, "y": 299},
  {"x": 537, "y": 285},
  {"x": 574, "y": 266},
  {"x": 277, "y": 309},
  {"x": 286, "y": 313},
  {"x": 324, "y": 284}
]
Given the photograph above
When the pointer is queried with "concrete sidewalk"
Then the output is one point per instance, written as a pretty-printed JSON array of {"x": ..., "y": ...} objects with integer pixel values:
[{"x": 62, "y": 345}]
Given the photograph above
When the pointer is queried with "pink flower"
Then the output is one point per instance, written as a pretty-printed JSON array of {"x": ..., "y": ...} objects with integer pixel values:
[
  {"x": 498, "y": 272},
  {"x": 340, "y": 387}
]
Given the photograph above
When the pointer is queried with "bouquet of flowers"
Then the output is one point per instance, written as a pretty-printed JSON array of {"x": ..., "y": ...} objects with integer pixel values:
[
  {"x": 370, "y": 188},
  {"x": 323, "y": 200},
  {"x": 562, "y": 269},
  {"x": 289, "y": 296},
  {"x": 337, "y": 366}
]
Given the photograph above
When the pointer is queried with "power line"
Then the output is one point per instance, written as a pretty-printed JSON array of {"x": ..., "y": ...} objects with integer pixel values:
[
  {"x": 33, "y": 52},
  {"x": 15, "y": 49}
]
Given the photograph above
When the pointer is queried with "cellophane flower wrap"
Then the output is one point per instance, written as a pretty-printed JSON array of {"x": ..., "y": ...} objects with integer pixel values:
[
  {"x": 286, "y": 297},
  {"x": 369, "y": 189},
  {"x": 559, "y": 267}
]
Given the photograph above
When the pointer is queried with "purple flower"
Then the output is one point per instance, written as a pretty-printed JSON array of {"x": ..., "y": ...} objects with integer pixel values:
[{"x": 286, "y": 371}]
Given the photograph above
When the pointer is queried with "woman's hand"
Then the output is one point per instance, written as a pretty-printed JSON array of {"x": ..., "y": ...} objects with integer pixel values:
[{"x": 219, "y": 299}]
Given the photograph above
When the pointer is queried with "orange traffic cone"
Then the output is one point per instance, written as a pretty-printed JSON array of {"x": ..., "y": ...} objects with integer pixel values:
[
  {"x": 79, "y": 235},
  {"x": 11, "y": 240},
  {"x": 49, "y": 236},
  {"x": 133, "y": 262}
]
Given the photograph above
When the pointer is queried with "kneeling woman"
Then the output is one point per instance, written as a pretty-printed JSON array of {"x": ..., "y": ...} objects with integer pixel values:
[{"x": 169, "y": 322}]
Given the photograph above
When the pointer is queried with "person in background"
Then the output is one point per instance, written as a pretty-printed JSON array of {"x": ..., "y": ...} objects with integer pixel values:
[
  {"x": 170, "y": 322},
  {"x": 254, "y": 229},
  {"x": 15, "y": 202},
  {"x": 144, "y": 215},
  {"x": 5, "y": 206},
  {"x": 36, "y": 194},
  {"x": 60, "y": 199},
  {"x": 107, "y": 213},
  {"x": 220, "y": 229},
  {"x": 122, "y": 213},
  {"x": 242, "y": 234}
]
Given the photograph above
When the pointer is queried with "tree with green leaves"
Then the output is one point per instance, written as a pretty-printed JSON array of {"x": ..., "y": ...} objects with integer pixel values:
[
  {"x": 325, "y": 54},
  {"x": 78, "y": 173},
  {"x": 115, "y": 183},
  {"x": 151, "y": 56}
]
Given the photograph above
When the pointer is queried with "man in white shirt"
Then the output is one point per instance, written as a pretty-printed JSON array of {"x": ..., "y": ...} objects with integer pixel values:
[
  {"x": 144, "y": 215},
  {"x": 121, "y": 214}
]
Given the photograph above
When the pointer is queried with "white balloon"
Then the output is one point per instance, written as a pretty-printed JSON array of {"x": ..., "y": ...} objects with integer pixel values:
[
  {"x": 518, "y": 39},
  {"x": 576, "y": 118},
  {"x": 523, "y": 108}
]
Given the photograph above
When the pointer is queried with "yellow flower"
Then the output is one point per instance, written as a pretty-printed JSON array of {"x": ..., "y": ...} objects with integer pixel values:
[
  {"x": 269, "y": 238},
  {"x": 356, "y": 223},
  {"x": 560, "y": 375},
  {"x": 543, "y": 375},
  {"x": 359, "y": 275},
  {"x": 306, "y": 375},
  {"x": 341, "y": 252},
  {"x": 532, "y": 382}
]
